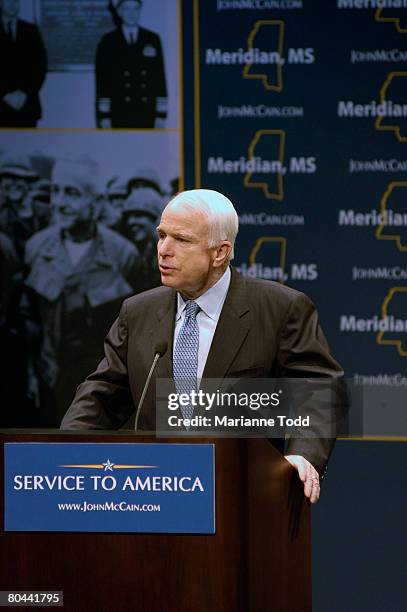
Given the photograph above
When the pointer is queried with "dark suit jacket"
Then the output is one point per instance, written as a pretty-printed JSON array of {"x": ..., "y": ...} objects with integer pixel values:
[
  {"x": 265, "y": 330},
  {"x": 23, "y": 66}
]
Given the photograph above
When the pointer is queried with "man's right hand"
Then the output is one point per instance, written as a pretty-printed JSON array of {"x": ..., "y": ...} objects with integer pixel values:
[
  {"x": 15, "y": 99},
  {"x": 308, "y": 475}
]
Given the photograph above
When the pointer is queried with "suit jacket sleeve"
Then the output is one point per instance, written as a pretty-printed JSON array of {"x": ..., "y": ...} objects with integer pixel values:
[
  {"x": 304, "y": 353},
  {"x": 161, "y": 85},
  {"x": 103, "y": 400},
  {"x": 26, "y": 64},
  {"x": 36, "y": 63},
  {"x": 104, "y": 66}
]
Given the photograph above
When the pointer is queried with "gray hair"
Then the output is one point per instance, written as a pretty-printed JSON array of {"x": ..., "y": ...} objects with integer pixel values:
[
  {"x": 85, "y": 170},
  {"x": 223, "y": 222}
]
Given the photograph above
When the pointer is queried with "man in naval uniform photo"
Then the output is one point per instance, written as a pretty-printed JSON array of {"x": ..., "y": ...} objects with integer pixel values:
[{"x": 131, "y": 90}]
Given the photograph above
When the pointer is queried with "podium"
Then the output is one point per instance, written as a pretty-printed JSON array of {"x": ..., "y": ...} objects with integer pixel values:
[{"x": 259, "y": 559}]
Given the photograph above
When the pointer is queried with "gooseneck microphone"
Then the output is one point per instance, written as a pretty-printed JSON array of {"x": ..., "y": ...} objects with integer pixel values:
[{"x": 159, "y": 350}]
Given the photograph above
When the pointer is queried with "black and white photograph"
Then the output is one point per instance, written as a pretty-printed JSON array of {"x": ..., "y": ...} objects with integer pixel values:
[
  {"x": 77, "y": 236},
  {"x": 103, "y": 64}
]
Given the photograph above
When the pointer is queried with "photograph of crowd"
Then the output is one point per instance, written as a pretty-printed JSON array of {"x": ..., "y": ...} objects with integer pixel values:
[{"x": 77, "y": 236}]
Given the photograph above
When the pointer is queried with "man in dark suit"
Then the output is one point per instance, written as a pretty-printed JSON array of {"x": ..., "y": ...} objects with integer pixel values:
[
  {"x": 131, "y": 90},
  {"x": 242, "y": 328},
  {"x": 22, "y": 69}
]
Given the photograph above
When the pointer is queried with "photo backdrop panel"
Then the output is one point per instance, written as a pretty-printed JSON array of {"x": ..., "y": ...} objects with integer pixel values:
[
  {"x": 59, "y": 44},
  {"x": 299, "y": 116},
  {"x": 71, "y": 80},
  {"x": 77, "y": 236}
]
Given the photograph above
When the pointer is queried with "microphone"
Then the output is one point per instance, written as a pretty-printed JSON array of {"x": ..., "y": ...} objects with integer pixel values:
[{"x": 159, "y": 349}]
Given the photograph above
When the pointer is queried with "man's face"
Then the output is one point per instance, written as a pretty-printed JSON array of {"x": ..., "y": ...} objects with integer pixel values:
[
  {"x": 70, "y": 198},
  {"x": 129, "y": 12},
  {"x": 141, "y": 226},
  {"x": 117, "y": 200},
  {"x": 14, "y": 188},
  {"x": 11, "y": 8},
  {"x": 184, "y": 258},
  {"x": 42, "y": 208}
]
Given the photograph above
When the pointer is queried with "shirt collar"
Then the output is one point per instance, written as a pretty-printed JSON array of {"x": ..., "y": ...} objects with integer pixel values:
[
  {"x": 130, "y": 30},
  {"x": 211, "y": 301}
]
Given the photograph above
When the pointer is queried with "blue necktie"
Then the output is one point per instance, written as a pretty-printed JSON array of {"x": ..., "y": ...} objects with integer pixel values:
[{"x": 185, "y": 361}]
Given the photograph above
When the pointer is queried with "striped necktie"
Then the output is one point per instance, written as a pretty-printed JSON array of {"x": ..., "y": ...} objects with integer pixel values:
[{"x": 185, "y": 361}]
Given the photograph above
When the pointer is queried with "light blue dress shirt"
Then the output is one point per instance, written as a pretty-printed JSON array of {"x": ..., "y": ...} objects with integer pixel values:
[{"x": 210, "y": 303}]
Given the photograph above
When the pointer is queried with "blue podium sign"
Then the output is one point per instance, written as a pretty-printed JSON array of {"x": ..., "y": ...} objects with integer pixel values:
[{"x": 141, "y": 488}]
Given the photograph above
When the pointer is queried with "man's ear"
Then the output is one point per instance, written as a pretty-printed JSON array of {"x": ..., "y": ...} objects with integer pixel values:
[{"x": 221, "y": 253}]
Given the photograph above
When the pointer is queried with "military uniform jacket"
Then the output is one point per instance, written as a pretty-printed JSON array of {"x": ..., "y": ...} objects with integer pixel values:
[
  {"x": 23, "y": 66},
  {"x": 131, "y": 89}
]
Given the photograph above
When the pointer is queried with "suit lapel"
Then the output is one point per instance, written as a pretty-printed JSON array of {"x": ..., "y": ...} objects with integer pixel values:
[
  {"x": 163, "y": 334},
  {"x": 231, "y": 330}
]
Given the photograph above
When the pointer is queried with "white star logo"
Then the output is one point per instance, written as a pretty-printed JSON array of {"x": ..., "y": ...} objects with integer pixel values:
[{"x": 108, "y": 465}]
